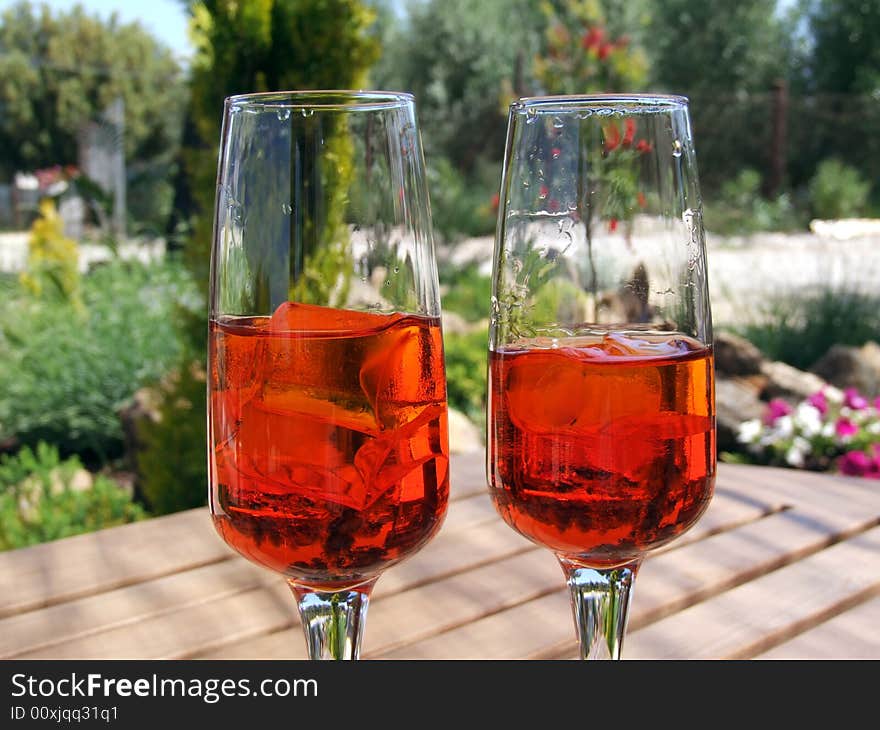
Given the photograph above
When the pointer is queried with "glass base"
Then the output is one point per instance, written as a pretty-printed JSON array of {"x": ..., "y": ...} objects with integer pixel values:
[
  {"x": 333, "y": 621},
  {"x": 600, "y": 599}
]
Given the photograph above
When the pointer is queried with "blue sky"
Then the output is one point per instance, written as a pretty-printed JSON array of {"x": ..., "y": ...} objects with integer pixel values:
[{"x": 164, "y": 19}]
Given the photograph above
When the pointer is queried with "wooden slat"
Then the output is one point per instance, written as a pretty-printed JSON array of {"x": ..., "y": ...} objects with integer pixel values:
[
  {"x": 491, "y": 542},
  {"x": 59, "y": 571},
  {"x": 43, "y": 575},
  {"x": 853, "y": 634},
  {"x": 667, "y": 582},
  {"x": 749, "y": 619}
]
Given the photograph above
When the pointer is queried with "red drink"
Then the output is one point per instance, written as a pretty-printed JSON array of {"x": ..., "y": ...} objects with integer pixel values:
[
  {"x": 602, "y": 448},
  {"x": 329, "y": 435}
]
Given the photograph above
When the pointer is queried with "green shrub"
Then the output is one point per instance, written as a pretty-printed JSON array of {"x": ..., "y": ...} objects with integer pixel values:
[
  {"x": 838, "y": 191},
  {"x": 466, "y": 372},
  {"x": 740, "y": 208},
  {"x": 467, "y": 292},
  {"x": 173, "y": 466},
  {"x": 462, "y": 206},
  {"x": 38, "y": 503},
  {"x": 64, "y": 373},
  {"x": 799, "y": 328}
]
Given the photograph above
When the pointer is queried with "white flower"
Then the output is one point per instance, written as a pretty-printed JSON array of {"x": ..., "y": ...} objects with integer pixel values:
[
  {"x": 799, "y": 448},
  {"x": 784, "y": 427},
  {"x": 828, "y": 430},
  {"x": 808, "y": 419},
  {"x": 873, "y": 427},
  {"x": 749, "y": 431}
]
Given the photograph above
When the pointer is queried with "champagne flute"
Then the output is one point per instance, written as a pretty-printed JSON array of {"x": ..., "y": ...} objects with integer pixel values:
[
  {"x": 328, "y": 443},
  {"x": 601, "y": 414}
]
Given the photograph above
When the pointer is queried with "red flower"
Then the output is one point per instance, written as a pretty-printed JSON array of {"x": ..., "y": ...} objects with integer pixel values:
[
  {"x": 612, "y": 225},
  {"x": 592, "y": 38},
  {"x": 495, "y": 201},
  {"x": 555, "y": 152},
  {"x": 612, "y": 137},
  {"x": 643, "y": 146},
  {"x": 640, "y": 197},
  {"x": 604, "y": 50},
  {"x": 543, "y": 192},
  {"x": 630, "y": 132}
]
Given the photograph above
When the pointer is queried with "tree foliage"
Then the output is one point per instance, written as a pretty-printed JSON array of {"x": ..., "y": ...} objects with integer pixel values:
[
  {"x": 59, "y": 71},
  {"x": 846, "y": 46},
  {"x": 242, "y": 46},
  {"x": 581, "y": 54},
  {"x": 464, "y": 60},
  {"x": 715, "y": 46}
]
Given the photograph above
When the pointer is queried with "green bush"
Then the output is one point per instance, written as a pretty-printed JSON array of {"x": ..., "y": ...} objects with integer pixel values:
[
  {"x": 467, "y": 292},
  {"x": 64, "y": 373},
  {"x": 38, "y": 503},
  {"x": 461, "y": 205},
  {"x": 838, "y": 191},
  {"x": 799, "y": 328},
  {"x": 466, "y": 372},
  {"x": 173, "y": 465},
  {"x": 740, "y": 208}
]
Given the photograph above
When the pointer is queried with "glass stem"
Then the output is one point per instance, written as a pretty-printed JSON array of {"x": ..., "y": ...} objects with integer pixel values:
[
  {"x": 333, "y": 621},
  {"x": 600, "y": 603}
]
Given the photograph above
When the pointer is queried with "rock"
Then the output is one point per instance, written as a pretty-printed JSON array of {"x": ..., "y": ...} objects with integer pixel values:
[
  {"x": 785, "y": 381},
  {"x": 735, "y": 355},
  {"x": 464, "y": 436},
  {"x": 852, "y": 367},
  {"x": 736, "y": 400}
]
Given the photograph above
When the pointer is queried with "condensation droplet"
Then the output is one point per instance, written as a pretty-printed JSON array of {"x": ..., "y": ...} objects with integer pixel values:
[
  {"x": 558, "y": 123},
  {"x": 531, "y": 116},
  {"x": 307, "y": 112},
  {"x": 283, "y": 115},
  {"x": 604, "y": 112},
  {"x": 396, "y": 269},
  {"x": 526, "y": 183},
  {"x": 676, "y": 148},
  {"x": 286, "y": 208},
  {"x": 585, "y": 114}
]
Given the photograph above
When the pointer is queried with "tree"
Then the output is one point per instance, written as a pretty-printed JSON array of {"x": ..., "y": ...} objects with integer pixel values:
[
  {"x": 715, "y": 47},
  {"x": 247, "y": 46},
  {"x": 846, "y": 46},
  {"x": 581, "y": 55},
  {"x": 463, "y": 60},
  {"x": 242, "y": 46},
  {"x": 60, "y": 71}
]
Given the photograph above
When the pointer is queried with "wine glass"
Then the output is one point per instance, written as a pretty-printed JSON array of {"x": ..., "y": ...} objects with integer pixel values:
[
  {"x": 601, "y": 414},
  {"x": 327, "y": 416}
]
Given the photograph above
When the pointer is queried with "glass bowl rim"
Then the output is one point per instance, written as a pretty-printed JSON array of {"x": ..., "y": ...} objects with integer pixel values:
[
  {"x": 322, "y": 99},
  {"x": 630, "y": 103}
]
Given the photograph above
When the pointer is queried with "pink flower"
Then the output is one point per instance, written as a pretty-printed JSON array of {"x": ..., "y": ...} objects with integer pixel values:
[
  {"x": 543, "y": 192},
  {"x": 844, "y": 427},
  {"x": 854, "y": 463},
  {"x": 852, "y": 399},
  {"x": 819, "y": 402},
  {"x": 776, "y": 408},
  {"x": 556, "y": 152}
]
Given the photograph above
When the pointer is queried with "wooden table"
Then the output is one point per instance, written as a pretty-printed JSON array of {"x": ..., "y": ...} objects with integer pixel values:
[{"x": 784, "y": 564}]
